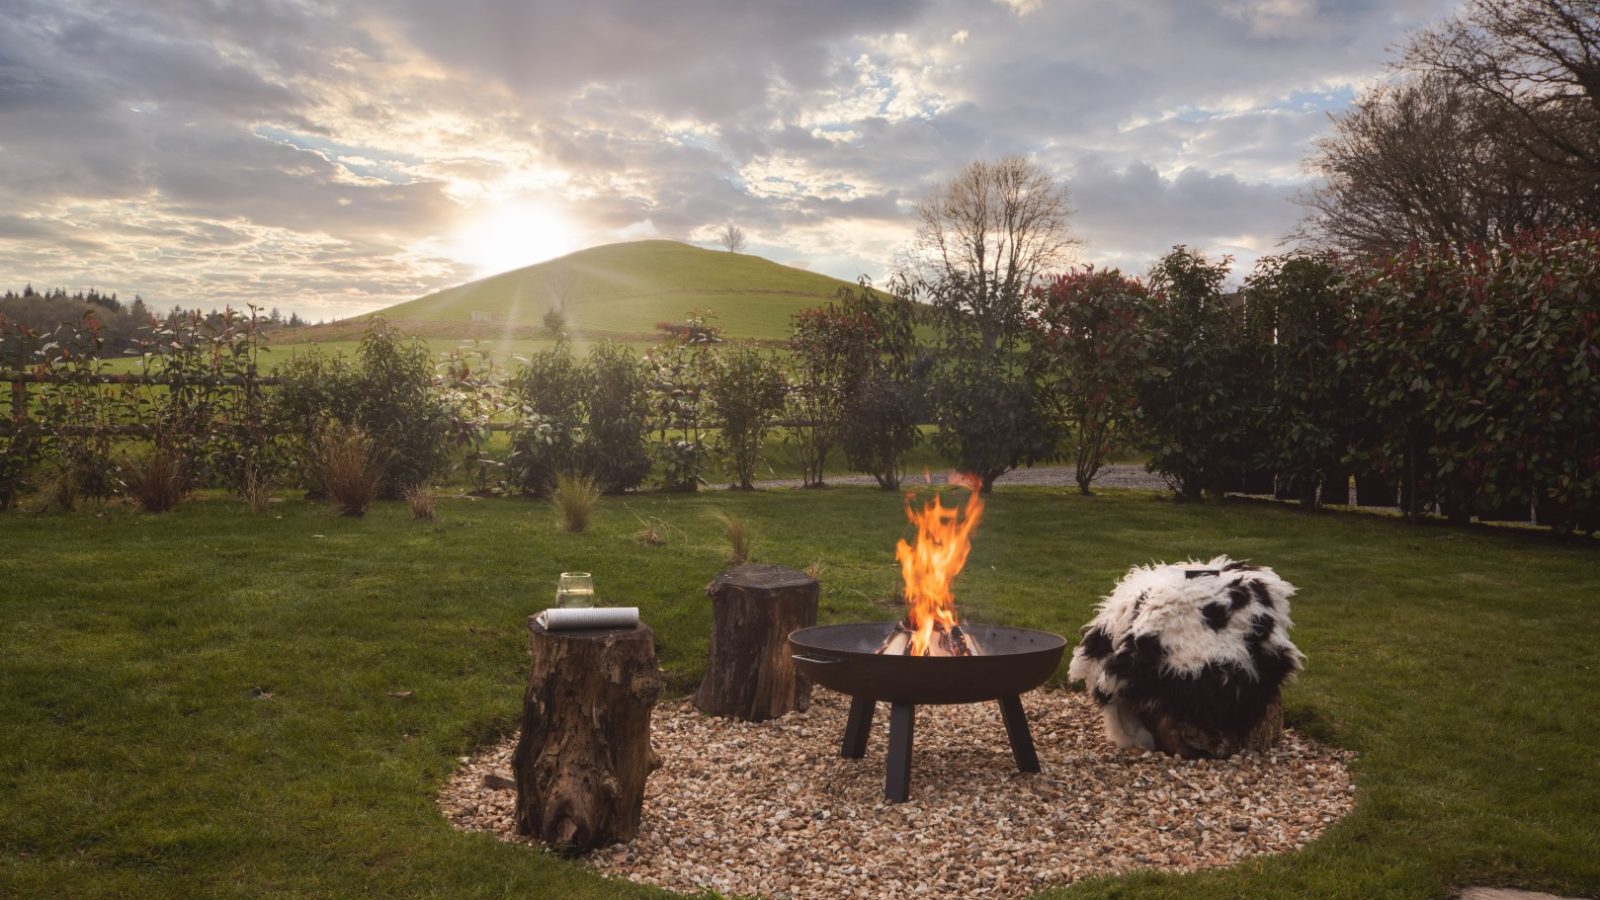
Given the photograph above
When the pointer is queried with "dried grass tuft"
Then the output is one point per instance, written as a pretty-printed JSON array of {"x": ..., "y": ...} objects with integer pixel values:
[
  {"x": 421, "y": 500},
  {"x": 576, "y": 497},
  {"x": 257, "y": 490},
  {"x": 156, "y": 479},
  {"x": 739, "y": 540},
  {"x": 349, "y": 467}
]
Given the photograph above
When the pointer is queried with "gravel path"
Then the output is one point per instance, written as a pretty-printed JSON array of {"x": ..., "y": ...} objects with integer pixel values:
[
  {"x": 771, "y": 809},
  {"x": 1117, "y": 476}
]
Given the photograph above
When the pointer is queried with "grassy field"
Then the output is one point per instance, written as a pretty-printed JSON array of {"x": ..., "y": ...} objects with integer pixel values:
[
  {"x": 620, "y": 291},
  {"x": 205, "y": 702}
]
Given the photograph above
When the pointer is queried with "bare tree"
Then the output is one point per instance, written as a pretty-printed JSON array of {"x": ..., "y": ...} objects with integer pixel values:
[
  {"x": 1492, "y": 126},
  {"x": 995, "y": 227},
  {"x": 1423, "y": 160},
  {"x": 982, "y": 239},
  {"x": 1537, "y": 61},
  {"x": 732, "y": 237}
]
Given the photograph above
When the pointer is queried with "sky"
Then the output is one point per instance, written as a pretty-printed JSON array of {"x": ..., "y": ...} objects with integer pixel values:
[{"x": 330, "y": 158}]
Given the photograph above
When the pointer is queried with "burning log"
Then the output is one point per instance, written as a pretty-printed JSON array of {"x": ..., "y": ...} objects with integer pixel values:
[
  {"x": 942, "y": 641},
  {"x": 927, "y": 570},
  {"x": 1189, "y": 659}
]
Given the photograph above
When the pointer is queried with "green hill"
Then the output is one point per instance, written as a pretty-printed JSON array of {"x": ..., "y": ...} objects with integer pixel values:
[{"x": 622, "y": 291}]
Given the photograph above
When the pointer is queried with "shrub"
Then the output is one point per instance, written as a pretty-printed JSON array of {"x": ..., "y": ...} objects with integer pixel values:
[
  {"x": 678, "y": 372},
  {"x": 1091, "y": 334},
  {"x": 992, "y": 413},
  {"x": 157, "y": 479},
  {"x": 831, "y": 348},
  {"x": 549, "y": 394},
  {"x": 555, "y": 321},
  {"x": 883, "y": 414},
  {"x": 390, "y": 391},
  {"x": 747, "y": 389},
  {"x": 19, "y": 450},
  {"x": 400, "y": 403},
  {"x": 18, "y": 453},
  {"x": 575, "y": 498},
  {"x": 349, "y": 466},
  {"x": 1303, "y": 303},
  {"x": 1482, "y": 371},
  {"x": 1419, "y": 353},
  {"x": 859, "y": 384},
  {"x": 1201, "y": 396},
  {"x": 613, "y": 447},
  {"x": 76, "y": 418}
]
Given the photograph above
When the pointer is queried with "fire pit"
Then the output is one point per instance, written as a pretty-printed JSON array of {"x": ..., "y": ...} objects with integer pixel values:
[
  {"x": 929, "y": 657},
  {"x": 845, "y": 658}
]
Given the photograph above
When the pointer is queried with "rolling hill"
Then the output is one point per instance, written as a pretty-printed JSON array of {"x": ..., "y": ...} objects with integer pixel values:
[{"x": 616, "y": 291}]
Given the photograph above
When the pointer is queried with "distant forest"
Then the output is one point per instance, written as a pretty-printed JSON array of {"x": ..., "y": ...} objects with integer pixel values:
[{"x": 43, "y": 311}]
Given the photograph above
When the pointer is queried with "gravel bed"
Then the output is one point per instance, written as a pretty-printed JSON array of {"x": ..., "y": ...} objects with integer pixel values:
[{"x": 771, "y": 809}]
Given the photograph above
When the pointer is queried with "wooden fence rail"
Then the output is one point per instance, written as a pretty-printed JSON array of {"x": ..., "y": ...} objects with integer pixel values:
[{"x": 138, "y": 378}]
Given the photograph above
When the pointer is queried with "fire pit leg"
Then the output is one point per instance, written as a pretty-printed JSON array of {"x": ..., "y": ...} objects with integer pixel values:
[
  {"x": 1019, "y": 735},
  {"x": 857, "y": 727},
  {"x": 897, "y": 784}
]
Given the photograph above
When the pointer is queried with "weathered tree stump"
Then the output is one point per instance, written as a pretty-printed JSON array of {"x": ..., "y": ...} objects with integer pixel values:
[
  {"x": 1265, "y": 735},
  {"x": 749, "y": 674},
  {"x": 1182, "y": 739},
  {"x": 585, "y": 753}
]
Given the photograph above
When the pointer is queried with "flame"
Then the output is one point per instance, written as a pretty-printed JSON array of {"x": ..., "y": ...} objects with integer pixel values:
[{"x": 944, "y": 538}]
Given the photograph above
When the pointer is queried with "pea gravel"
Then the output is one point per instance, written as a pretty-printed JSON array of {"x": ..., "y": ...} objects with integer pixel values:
[{"x": 771, "y": 809}]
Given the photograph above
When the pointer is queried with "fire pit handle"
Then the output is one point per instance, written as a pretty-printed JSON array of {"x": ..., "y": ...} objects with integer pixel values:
[{"x": 818, "y": 660}]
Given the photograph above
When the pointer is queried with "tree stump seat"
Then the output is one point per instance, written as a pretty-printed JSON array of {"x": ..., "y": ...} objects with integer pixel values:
[
  {"x": 749, "y": 672},
  {"x": 584, "y": 754}
]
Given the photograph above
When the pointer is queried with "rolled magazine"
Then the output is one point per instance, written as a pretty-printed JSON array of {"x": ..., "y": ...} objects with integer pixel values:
[{"x": 593, "y": 617}]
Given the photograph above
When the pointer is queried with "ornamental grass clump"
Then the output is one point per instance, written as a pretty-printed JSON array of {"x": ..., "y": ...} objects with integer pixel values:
[
  {"x": 348, "y": 466},
  {"x": 256, "y": 489},
  {"x": 739, "y": 541},
  {"x": 575, "y": 497},
  {"x": 421, "y": 501},
  {"x": 156, "y": 479}
]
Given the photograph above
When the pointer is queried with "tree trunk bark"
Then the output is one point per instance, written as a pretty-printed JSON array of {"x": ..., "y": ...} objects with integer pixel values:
[
  {"x": 585, "y": 753},
  {"x": 749, "y": 674}
]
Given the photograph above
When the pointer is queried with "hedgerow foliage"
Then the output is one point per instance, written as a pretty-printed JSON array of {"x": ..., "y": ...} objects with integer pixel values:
[
  {"x": 1483, "y": 370},
  {"x": 576, "y": 417},
  {"x": 1469, "y": 378},
  {"x": 1092, "y": 330},
  {"x": 390, "y": 391},
  {"x": 747, "y": 390},
  {"x": 1199, "y": 393},
  {"x": 859, "y": 382}
]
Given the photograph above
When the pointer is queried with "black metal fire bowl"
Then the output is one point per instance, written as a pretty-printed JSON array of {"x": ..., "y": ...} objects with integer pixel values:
[{"x": 845, "y": 658}]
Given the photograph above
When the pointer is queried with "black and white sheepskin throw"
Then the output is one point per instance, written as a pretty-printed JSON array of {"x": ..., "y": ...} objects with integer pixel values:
[{"x": 1188, "y": 658}]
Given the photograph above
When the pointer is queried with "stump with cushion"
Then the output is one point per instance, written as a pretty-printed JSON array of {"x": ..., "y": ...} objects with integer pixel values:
[{"x": 1189, "y": 659}]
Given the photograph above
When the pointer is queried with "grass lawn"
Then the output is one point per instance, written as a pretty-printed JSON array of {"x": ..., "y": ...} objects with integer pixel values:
[{"x": 204, "y": 702}]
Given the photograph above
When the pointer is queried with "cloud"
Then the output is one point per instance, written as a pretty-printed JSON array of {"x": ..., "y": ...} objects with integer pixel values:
[{"x": 327, "y": 156}]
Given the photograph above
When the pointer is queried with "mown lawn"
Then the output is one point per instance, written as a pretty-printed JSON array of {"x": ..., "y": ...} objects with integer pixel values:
[{"x": 204, "y": 703}]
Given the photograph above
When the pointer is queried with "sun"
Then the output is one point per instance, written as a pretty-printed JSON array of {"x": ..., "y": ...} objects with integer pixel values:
[{"x": 514, "y": 234}]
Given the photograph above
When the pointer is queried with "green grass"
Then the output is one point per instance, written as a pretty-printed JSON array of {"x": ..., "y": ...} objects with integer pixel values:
[{"x": 200, "y": 703}]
